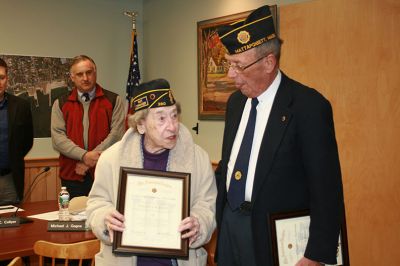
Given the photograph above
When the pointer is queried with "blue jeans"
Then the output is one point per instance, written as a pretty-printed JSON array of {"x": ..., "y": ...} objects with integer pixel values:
[{"x": 8, "y": 194}]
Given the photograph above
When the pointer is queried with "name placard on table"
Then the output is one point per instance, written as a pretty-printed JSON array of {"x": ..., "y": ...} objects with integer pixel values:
[
  {"x": 67, "y": 226},
  {"x": 9, "y": 222}
]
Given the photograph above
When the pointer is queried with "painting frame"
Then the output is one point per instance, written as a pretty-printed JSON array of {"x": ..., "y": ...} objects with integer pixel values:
[{"x": 214, "y": 87}]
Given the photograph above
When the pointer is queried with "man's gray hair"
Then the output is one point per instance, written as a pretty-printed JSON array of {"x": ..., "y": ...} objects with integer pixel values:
[
  {"x": 79, "y": 58},
  {"x": 272, "y": 46}
]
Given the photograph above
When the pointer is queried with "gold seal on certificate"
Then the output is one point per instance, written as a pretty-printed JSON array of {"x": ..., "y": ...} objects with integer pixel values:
[{"x": 153, "y": 203}]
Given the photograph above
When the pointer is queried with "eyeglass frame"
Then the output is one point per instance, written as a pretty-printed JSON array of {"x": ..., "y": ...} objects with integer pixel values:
[{"x": 240, "y": 69}]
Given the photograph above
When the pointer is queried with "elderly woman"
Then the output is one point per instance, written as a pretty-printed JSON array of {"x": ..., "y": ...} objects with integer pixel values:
[{"x": 155, "y": 141}]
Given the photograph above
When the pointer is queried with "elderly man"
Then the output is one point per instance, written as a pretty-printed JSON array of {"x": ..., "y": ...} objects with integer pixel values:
[
  {"x": 155, "y": 141},
  {"x": 84, "y": 122},
  {"x": 16, "y": 139},
  {"x": 279, "y": 152}
]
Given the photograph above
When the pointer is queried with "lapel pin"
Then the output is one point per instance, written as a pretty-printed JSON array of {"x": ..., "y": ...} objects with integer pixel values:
[{"x": 283, "y": 118}]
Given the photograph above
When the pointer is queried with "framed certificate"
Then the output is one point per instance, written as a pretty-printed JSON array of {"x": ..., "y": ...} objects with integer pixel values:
[
  {"x": 153, "y": 203},
  {"x": 290, "y": 233}
]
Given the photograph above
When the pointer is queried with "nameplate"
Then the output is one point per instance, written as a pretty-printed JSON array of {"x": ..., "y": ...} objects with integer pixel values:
[
  {"x": 66, "y": 226},
  {"x": 9, "y": 222}
]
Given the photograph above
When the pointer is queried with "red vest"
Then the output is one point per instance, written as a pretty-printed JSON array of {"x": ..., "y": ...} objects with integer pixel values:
[{"x": 100, "y": 116}]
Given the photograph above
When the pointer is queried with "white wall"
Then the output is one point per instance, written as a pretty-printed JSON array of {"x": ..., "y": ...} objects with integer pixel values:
[
  {"x": 170, "y": 37},
  {"x": 65, "y": 28},
  {"x": 167, "y": 45}
]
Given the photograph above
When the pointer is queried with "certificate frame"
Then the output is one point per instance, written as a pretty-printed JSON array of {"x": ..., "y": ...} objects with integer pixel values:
[
  {"x": 288, "y": 222},
  {"x": 153, "y": 202}
]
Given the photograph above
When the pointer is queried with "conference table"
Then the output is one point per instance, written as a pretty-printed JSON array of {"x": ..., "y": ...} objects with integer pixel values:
[{"x": 19, "y": 241}]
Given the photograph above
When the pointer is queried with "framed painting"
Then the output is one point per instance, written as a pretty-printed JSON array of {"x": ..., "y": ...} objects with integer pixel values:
[
  {"x": 214, "y": 87},
  {"x": 40, "y": 81}
]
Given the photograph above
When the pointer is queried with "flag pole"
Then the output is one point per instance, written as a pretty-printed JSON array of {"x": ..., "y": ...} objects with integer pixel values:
[
  {"x": 132, "y": 15},
  {"x": 134, "y": 71}
]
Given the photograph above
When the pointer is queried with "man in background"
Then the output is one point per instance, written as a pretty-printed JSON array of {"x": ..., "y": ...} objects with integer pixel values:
[
  {"x": 16, "y": 139},
  {"x": 84, "y": 122},
  {"x": 279, "y": 153}
]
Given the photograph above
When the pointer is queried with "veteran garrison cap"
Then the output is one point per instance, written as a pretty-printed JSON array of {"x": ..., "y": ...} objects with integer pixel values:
[
  {"x": 253, "y": 31},
  {"x": 152, "y": 94}
]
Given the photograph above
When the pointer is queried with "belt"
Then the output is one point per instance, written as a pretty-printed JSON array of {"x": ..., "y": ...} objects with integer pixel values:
[
  {"x": 245, "y": 206},
  {"x": 4, "y": 171}
]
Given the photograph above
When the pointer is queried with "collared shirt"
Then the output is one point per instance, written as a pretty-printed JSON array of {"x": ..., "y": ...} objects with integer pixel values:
[
  {"x": 85, "y": 119},
  {"x": 4, "y": 157},
  {"x": 91, "y": 93},
  {"x": 264, "y": 106}
]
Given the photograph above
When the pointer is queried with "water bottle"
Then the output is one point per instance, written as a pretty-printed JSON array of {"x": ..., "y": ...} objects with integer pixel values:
[{"x": 63, "y": 203}]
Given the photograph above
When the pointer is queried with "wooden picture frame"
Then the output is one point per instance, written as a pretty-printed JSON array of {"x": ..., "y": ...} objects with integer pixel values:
[
  {"x": 214, "y": 87},
  {"x": 289, "y": 234},
  {"x": 153, "y": 203}
]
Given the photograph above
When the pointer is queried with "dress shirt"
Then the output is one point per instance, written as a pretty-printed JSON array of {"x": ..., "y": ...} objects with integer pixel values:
[
  {"x": 85, "y": 120},
  {"x": 266, "y": 100},
  {"x": 91, "y": 93}
]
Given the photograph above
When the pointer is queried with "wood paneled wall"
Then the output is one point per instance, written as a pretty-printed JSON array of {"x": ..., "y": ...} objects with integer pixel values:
[
  {"x": 349, "y": 51},
  {"x": 47, "y": 185}
]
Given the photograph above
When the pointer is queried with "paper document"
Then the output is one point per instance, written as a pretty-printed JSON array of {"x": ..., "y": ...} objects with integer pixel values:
[
  {"x": 53, "y": 216},
  {"x": 48, "y": 216},
  {"x": 9, "y": 208}
]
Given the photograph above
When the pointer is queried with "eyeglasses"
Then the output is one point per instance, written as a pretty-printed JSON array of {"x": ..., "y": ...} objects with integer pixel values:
[{"x": 239, "y": 68}]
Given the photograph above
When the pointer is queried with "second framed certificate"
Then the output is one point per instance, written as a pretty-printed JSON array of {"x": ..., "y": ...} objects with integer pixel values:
[
  {"x": 153, "y": 203},
  {"x": 290, "y": 233}
]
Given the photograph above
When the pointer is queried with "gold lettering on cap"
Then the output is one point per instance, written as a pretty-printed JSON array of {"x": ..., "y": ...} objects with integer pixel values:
[
  {"x": 251, "y": 45},
  {"x": 243, "y": 37}
]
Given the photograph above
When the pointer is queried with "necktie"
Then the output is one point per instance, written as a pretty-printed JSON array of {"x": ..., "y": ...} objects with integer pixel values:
[
  {"x": 85, "y": 97},
  {"x": 239, "y": 174}
]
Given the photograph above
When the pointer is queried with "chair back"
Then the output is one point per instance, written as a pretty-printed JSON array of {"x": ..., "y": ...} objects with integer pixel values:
[
  {"x": 210, "y": 248},
  {"x": 75, "y": 251},
  {"x": 17, "y": 261}
]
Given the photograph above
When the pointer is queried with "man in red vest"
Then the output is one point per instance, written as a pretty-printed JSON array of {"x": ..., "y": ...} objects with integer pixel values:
[{"x": 84, "y": 122}]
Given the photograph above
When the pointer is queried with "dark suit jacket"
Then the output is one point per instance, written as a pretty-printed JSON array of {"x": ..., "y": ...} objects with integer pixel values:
[
  {"x": 20, "y": 138},
  {"x": 298, "y": 168}
]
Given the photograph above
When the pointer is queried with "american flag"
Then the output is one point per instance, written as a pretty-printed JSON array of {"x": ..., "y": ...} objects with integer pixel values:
[{"x": 134, "y": 72}]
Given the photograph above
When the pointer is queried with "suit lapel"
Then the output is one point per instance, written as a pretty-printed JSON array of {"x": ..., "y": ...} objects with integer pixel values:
[
  {"x": 278, "y": 120},
  {"x": 235, "y": 121}
]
